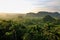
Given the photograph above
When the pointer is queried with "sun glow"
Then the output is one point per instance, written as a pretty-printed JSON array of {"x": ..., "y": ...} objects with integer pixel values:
[
  {"x": 16, "y": 6},
  {"x": 25, "y": 6}
]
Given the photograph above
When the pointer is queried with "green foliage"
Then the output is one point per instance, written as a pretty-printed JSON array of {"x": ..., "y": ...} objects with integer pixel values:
[
  {"x": 47, "y": 28},
  {"x": 48, "y": 18}
]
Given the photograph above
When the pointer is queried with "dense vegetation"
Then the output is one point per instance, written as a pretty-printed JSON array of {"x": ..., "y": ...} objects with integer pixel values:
[{"x": 46, "y": 28}]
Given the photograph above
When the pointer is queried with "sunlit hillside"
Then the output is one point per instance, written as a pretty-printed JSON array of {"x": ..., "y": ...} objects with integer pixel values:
[{"x": 8, "y": 16}]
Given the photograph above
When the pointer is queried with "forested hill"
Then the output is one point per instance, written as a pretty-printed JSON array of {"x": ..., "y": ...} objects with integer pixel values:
[{"x": 43, "y": 13}]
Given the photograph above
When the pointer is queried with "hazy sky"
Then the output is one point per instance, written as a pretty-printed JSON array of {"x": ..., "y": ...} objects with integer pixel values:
[{"x": 24, "y": 6}]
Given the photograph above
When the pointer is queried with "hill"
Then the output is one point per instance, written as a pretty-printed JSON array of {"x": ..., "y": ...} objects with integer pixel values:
[{"x": 43, "y": 13}]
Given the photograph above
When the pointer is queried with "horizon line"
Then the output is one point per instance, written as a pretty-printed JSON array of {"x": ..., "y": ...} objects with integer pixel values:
[{"x": 26, "y": 12}]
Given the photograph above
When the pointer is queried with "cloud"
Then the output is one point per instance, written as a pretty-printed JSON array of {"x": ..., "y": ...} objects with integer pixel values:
[
  {"x": 49, "y": 5},
  {"x": 29, "y": 5}
]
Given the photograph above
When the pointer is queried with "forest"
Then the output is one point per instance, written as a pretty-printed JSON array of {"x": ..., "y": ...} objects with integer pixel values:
[{"x": 30, "y": 28}]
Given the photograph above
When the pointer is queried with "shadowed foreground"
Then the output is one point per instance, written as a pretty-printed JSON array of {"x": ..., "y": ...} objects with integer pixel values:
[{"x": 46, "y": 28}]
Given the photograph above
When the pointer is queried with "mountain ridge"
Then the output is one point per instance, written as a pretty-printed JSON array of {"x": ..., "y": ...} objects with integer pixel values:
[{"x": 43, "y": 13}]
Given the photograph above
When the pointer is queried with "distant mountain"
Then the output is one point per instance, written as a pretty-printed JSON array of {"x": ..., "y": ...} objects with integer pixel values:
[{"x": 43, "y": 13}]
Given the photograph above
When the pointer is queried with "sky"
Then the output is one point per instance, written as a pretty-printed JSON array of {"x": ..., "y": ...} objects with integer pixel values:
[{"x": 25, "y": 6}]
